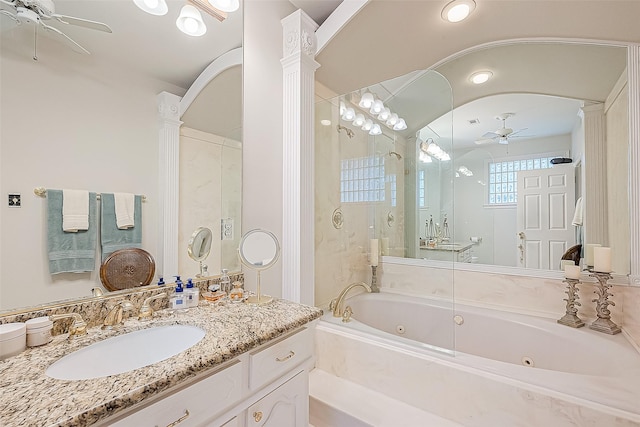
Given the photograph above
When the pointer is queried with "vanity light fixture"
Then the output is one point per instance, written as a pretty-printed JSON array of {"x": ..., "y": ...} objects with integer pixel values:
[
  {"x": 359, "y": 120},
  {"x": 154, "y": 7},
  {"x": 458, "y": 10},
  {"x": 431, "y": 148},
  {"x": 377, "y": 107},
  {"x": 190, "y": 21},
  {"x": 375, "y": 130},
  {"x": 349, "y": 114},
  {"x": 480, "y": 77},
  {"x": 465, "y": 171},
  {"x": 368, "y": 124},
  {"x": 366, "y": 101},
  {"x": 424, "y": 157}
]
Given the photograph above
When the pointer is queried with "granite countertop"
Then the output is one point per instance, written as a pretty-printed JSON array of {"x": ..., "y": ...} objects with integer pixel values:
[
  {"x": 450, "y": 247},
  {"x": 30, "y": 398}
]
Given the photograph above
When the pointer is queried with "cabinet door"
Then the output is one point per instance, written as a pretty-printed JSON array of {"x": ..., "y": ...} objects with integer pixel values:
[{"x": 287, "y": 406}]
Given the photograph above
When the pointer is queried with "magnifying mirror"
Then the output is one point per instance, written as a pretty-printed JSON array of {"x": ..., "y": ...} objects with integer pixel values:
[
  {"x": 199, "y": 247},
  {"x": 259, "y": 250}
]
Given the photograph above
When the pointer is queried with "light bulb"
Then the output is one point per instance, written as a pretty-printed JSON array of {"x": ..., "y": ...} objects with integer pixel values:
[
  {"x": 384, "y": 114},
  {"x": 366, "y": 101},
  {"x": 349, "y": 114},
  {"x": 400, "y": 125},
  {"x": 392, "y": 120},
  {"x": 376, "y": 107},
  {"x": 358, "y": 120},
  {"x": 375, "y": 130},
  {"x": 368, "y": 124}
]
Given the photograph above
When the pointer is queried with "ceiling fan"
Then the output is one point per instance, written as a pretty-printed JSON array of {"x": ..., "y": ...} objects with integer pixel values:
[
  {"x": 38, "y": 12},
  {"x": 502, "y": 135}
]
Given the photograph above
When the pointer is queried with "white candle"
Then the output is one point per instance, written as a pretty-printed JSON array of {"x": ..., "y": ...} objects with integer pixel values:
[
  {"x": 588, "y": 253},
  {"x": 572, "y": 271},
  {"x": 374, "y": 252},
  {"x": 602, "y": 259}
]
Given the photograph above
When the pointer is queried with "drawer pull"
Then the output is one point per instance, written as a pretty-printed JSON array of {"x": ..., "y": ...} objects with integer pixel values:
[
  {"x": 287, "y": 357},
  {"x": 181, "y": 419},
  {"x": 257, "y": 416}
]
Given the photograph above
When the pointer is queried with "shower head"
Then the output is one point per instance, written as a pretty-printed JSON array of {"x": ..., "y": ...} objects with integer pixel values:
[{"x": 393, "y": 153}]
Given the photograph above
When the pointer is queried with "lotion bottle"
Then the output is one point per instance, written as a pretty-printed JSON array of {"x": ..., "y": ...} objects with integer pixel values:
[
  {"x": 192, "y": 294},
  {"x": 178, "y": 300}
]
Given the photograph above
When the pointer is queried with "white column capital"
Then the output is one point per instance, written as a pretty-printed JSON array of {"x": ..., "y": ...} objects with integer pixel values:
[
  {"x": 299, "y": 35},
  {"x": 169, "y": 107}
]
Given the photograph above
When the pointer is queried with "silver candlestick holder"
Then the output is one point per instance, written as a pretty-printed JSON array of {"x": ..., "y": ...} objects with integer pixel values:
[
  {"x": 603, "y": 322},
  {"x": 374, "y": 280},
  {"x": 571, "y": 318}
]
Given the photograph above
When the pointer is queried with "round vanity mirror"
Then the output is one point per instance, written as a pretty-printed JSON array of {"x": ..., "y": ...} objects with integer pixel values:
[
  {"x": 199, "y": 247},
  {"x": 259, "y": 250}
]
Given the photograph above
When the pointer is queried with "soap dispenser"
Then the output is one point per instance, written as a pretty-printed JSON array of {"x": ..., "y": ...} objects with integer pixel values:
[
  {"x": 192, "y": 295},
  {"x": 178, "y": 300}
]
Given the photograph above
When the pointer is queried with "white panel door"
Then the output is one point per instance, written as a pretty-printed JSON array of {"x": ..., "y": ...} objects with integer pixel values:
[{"x": 546, "y": 203}]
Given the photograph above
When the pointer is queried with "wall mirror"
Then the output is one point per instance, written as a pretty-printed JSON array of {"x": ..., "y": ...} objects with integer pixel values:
[
  {"x": 111, "y": 97},
  {"x": 541, "y": 95},
  {"x": 259, "y": 250},
  {"x": 199, "y": 247}
]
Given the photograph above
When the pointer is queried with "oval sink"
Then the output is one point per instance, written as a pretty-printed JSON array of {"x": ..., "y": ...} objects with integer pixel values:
[{"x": 126, "y": 352}]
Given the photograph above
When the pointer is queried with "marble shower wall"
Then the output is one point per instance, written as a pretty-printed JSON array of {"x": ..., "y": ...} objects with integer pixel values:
[{"x": 210, "y": 190}]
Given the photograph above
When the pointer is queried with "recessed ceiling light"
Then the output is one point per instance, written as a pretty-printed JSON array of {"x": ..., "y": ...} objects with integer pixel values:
[
  {"x": 325, "y": 122},
  {"x": 480, "y": 77},
  {"x": 458, "y": 10}
]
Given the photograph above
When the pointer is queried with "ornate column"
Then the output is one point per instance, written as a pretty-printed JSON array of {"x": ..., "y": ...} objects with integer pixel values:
[
  {"x": 298, "y": 248},
  {"x": 168, "y": 172},
  {"x": 633, "y": 79},
  {"x": 595, "y": 154}
]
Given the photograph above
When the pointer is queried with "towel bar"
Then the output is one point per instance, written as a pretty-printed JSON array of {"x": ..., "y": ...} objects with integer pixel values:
[{"x": 42, "y": 192}]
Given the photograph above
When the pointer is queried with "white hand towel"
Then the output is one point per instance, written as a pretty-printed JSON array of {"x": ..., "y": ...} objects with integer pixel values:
[
  {"x": 75, "y": 210},
  {"x": 124, "y": 205},
  {"x": 577, "y": 216}
]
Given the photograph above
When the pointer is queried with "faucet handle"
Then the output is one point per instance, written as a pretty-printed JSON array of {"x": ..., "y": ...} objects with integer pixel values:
[
  {"x": 78, "y": 326},
  {"x": 146, "y": 312},
  {"x": 332, "y": 304}
]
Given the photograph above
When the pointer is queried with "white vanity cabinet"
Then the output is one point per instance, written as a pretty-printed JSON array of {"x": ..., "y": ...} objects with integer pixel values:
[{"x": 265, "y": 387}]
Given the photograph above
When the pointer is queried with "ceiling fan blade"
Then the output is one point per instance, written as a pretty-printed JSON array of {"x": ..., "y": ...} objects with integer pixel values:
[
  {"x": 517, "y": 132},
  {"x": 483, "y": 141},
  {"x": 93, "y": 25},
  {"x": 10, "y": 15},
  {"x": 490, "y": 135},
  {"x": 72, "y": 43}
]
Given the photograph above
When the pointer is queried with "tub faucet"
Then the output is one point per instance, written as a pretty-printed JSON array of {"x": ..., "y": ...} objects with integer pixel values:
[{"x": 336, "y": 304}]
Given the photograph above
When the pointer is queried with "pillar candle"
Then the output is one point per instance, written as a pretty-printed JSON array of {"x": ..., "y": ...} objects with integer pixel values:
[
  {"x": 588, "y": 253},
  {"x": 602, "y": 259},
  {"x": 374, "y": 252},
  {"x": 384, "y": 246},
  {"x": 572, "y": 271}
]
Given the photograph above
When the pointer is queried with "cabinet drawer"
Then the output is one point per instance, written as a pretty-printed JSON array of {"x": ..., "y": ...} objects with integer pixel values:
[
  {"x": 196, "y": 403},
  {"x": 284, "y": 354}
]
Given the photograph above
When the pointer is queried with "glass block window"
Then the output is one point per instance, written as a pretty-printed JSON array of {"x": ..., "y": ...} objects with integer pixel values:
[
  {"x": 391, "y": 179},
  {"x": 503, "y": 178},
  {"x": 421, "y": 190},
  {"x": 362, "y": 180}
]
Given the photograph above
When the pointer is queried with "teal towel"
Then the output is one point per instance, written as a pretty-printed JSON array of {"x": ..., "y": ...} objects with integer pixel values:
[
  {"x": 70, "y": 252},
  {"x": 111, "y": 237}
]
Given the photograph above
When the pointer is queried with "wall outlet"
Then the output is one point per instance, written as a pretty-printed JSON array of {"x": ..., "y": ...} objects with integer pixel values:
[
  {"x": 226, "y": 229},
  {"x": 15, "y": 200}
]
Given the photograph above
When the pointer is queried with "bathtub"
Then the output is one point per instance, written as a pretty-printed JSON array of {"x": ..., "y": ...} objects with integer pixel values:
[{"x": 483, "y": 367}]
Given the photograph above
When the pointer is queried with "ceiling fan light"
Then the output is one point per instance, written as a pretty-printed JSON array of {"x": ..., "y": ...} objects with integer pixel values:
[
  {"x": 480, "y": 77},
  {"x": 458, "y": 10},
  {"x": 367, "y": 100},
  {"x": 190, "y": 21},
  {"x": 154, "y": 7},
  {"x": 225, "y": 5}
]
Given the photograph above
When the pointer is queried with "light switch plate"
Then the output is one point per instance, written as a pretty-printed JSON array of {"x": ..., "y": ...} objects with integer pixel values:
[
  {"x": 15, "y": 200},
  {"x": 226, "y": 229}
]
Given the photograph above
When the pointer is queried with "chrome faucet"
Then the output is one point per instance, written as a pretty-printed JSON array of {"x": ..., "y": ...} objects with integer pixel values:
[
  {"x": 78, "y": 326},
  {"x": 146, "y": 312},
  {"x": 114, "y": 317},
  {"x": 336, "y": 304}
]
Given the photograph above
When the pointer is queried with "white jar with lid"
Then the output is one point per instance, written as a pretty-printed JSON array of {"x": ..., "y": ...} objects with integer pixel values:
[
  {"x": 39, "y": 331},
  {"x": 12, "y": 339}
]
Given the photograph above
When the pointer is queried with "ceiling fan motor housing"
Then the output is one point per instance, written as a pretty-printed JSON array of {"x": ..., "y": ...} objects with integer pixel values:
[{"x": 25, "y": 15}]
